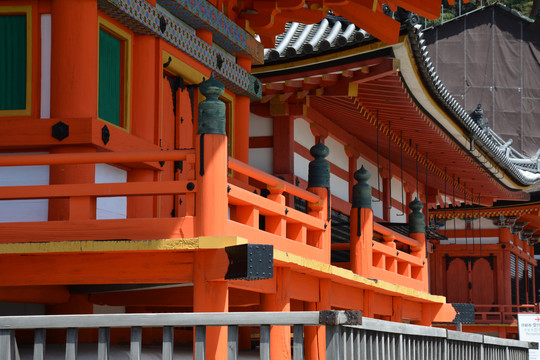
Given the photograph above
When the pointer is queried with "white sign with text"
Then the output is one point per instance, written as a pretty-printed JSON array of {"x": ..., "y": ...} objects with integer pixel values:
[{"x": 529, "y": 330}]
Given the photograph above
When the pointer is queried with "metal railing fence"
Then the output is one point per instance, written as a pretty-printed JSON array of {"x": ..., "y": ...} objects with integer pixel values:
[
  {"x": 348, "y": 336},
  {"x": 200, "y": 321},
  {"x": 384, "y": 340}
]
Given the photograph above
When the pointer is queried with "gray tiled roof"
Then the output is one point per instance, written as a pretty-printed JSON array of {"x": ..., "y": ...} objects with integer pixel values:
[{"x": 330, "y": 34}]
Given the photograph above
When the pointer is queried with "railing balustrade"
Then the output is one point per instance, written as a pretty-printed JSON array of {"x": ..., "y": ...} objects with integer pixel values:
[
  {"x": 378, "y": 339},
  {"x": 388, "y": 262},
  {"x": 284, "y": 227},
  {"x": 132, "y": 228},
  {"x": 279, "y": 219},
  {"x": 348, "y": 336},
  {"x": 501, "y": 314},
  {"x": 200, "y": 322}
]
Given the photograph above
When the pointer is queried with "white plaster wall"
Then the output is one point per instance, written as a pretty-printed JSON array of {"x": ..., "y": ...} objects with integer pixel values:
[
  {"x": 397, "y": 216},
  {"x": 377, "y": 207},
  {"x": 459, "y": 224},
  {"x": 483, "y": 223},
  {"x": 262, "y": 159},
  {"x": 302, "y": 133},
  {"x": 337, "y": 155},
  {"x": 301, "y": 166},
  {"x": 110, "y": 207},
  {"x": 396, "y": 190},
  {"x": 339, "y": 187},
  {"x": 486, "y": 224},
  {"x": 45, "y": 109},
  {"x": 260, "y": 126},
  {"x": 24, "y": 210}
]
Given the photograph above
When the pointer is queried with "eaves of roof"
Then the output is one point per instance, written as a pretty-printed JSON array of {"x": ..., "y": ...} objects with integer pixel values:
[
  {"x": 291, "y": 47},
  {"x": 460, "y": 116}
]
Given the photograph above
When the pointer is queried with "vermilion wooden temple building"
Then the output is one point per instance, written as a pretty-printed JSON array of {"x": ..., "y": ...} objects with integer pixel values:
[{"x": 156, "y": 158}]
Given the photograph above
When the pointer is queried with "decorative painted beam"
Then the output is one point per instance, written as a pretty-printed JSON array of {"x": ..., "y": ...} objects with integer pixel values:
[
  {"x": 143, "y": 18},
  {"x": 201, "y": 14},
  {"x": 500, "y": 214}
]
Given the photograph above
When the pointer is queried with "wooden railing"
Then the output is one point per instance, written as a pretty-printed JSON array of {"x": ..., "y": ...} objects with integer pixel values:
[
  {"x": 89, "y": 228},
  {"x": 271, "y": 181},
  {"x": 501, "y": 314},
  {"x": 284, "y": 227},
  {"x": 287, "y": 229},
  {"x": 387, "y": 262}
]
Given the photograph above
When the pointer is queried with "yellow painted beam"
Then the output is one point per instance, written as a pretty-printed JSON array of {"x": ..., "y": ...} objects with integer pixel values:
[
  {"x": 204, "y": 242},
  {"x": 340, "y": 273}
]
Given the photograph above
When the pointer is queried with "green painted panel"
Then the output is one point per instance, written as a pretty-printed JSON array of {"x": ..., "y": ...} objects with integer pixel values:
[
  {"x": 12, "y": 62},
  {"x": 110, "y": 55}
]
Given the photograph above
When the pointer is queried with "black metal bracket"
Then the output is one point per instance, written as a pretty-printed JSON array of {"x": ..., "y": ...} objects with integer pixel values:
[
  {"x": 464, "y": 313},
  {"x": 105, "y": 134},
  {"x": 250, "y": 262},
  {"x": 60, "y": 131}
]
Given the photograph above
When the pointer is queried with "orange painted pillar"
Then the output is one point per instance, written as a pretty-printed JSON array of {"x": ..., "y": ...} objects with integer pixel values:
[
  {"x": 75, "y": 208},
  {"x": 361, "y": 230},
  {"x": 75, "y": 58},
  {"x": 241, "y": 121},
  {"x": 210, "y": 296},
  {"x": 283, "y": 129},
  {"x": 280, "y": 336},
  {"x": 142, "y": 116},
  {"x": 211, "y": 210},
  {"x": 211, "y": 163},
  {"x": 211, "y": 197},
  {"x": 73, "y": 94},
  {"x": 315, "y": 336}
]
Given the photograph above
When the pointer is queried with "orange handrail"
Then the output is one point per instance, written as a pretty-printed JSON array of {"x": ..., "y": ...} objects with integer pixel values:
[
  {"x": 95, "y": 157},
  {"x": 100, "y": 190},
  {"x": 397, "y": 236},
  {"x": 271, "y": 180}
]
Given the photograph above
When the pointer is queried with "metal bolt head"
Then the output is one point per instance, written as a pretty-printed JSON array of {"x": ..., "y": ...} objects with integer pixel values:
[{"x": 60, "y": 131}]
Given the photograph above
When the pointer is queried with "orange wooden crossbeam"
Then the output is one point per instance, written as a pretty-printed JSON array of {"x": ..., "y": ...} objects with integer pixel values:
[
  {"x": 101, "y": 190},
  {"x": 239, "y": 196},
  {"x": 93, "y": 158},
  {"x": 257, "y": 236},
  {"x": 399, "y": 255},
  {"x": 272, "y": 181},
  {"x": 82, "y": 230},
  {"x": 398, "y": 237},
  {"x": 394, "y": 278},
  {"x": 97, "y": 268}
]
